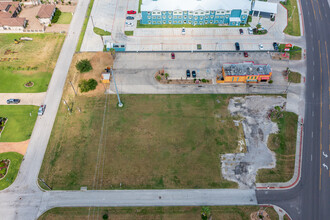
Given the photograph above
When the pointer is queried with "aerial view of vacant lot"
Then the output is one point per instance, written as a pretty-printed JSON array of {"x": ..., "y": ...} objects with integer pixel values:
[
  {"x": 154, "y": 141},
  {"x": 33, "y": 61}
]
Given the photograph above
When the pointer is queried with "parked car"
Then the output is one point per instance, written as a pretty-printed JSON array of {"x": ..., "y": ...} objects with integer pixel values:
[
  {"x": 172, "y": 56},
  {"x": 13, "y": 101},
  {"x": 188, "y": 73},
  {"x": 241, "y": 31},
  {"x": 193, "y": 73},
  {"x": 275, "y": 45},
  {"x": 131, "y": 12},
  {"x": 246, "y": 54},
  {"x": 237, "y": 46},
  {"x": 261, "y": 47},
  {"x": 183, "y": 32},
  {"x": 250, "y": 30},
  {"x": 130, "y": 18},
  {"x": 41, "y": 110},
  {"x": 130, "y": 24}
]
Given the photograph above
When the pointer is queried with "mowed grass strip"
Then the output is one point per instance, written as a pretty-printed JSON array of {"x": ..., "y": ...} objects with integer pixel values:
[
  {"x": 15, "y": 163},
  {"x": 65, "y": 18},
  {"x": 83, "y": 29},
  {"x": 284, "y": 145},
  {"x": 294, "y": 77},
  {"x": 170, "y": 213},
  {"x": 153, "y": 142},
  {"x": 29, "y": 61},
  {"x": 293, "y": 27}
]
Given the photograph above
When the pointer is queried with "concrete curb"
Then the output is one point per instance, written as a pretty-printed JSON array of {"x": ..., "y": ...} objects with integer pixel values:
[
  {"x": 281, "y": 212},
  {"x": 297, "y": 169}
]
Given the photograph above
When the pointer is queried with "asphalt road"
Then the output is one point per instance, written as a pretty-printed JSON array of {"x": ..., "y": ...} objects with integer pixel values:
[{"x": 310, "y": 199}]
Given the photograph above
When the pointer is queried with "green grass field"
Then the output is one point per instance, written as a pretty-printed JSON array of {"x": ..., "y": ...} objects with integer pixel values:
[
  {"x": 15, "y": 163},
  {"x": 20, "y": 124},
  {"x": 295, "y": 52},
  {"x": 154, "y": 142},
  {"x": 83, "y": 30},
  {"x": 284, "y": 145},
  {"x": 165, "y": 213},
  {"x": 129, "y": 33},
  {"x": 101, "y": 32},
  {"x": 30, "y": 61},
  {"x": 293, "y": 27},
  {"x": 65, "y": 18},
  {"x": 294, "y": 77},
  {"x": 139, "y": 25}
]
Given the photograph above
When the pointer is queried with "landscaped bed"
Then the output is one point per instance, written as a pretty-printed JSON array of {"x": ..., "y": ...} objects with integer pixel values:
[
  {"x": 20, "y": 123},
  {"x": 154, "y": 141},
  {"x": 170, "y": 213},
  {"x": 28, "y": 61},
  {"x": 11, "y": 173},
  {"x": 139, "y": 25}
]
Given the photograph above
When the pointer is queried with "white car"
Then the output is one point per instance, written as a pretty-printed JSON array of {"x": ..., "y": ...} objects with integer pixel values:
[
  {"x": 250, "y": 30},
  {"x": 261, "y": 47},
  {"x": 129, "y": 23}
]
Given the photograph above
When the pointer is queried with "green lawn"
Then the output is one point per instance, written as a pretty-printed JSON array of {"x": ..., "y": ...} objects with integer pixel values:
[
  {"x": 139, "y": 25},
  {"x": 284, "y": 145},
  {"x": 129, "y": 33},
  {"x": 15, "y": 163},
  {"x": 165, "y": 213},
  {"x": 20, "y": 124},
  {"x": 293, "y": 27},
  {"x": 65, "y": 18},
  {"x": 30, "y": 61},
  {"x": 140, "y": 3},
  {"x": 153, "y": 142},
  {"x": 294, "y": 77},
  {"x": 83, "y": 30},
  {"x": 101, "y": 32}
]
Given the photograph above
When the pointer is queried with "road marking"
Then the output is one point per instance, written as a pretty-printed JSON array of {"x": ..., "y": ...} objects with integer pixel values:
[
  {"x": 313, "y": 113},
  {"x": 324, "y": 154},
  {"x": 312, "y": 134},
  {"x": 311, "y": 157},
  {"x": 313, "y": 92},
  {"x": 313, "y": 9},
  {"x": 312, "y": 35},
  {"x": 319, "y": 9},
  {"x": 326, "y": 167},
  {"x": 313, "y": 50},
  {"x": 313, "y": 62},
  {"x": 320, "y": 183},
  {"x": 313, "y": 77}
]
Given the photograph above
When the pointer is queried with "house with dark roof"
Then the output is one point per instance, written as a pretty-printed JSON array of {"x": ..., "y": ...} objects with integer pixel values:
[{"x": 46, "y": 13}]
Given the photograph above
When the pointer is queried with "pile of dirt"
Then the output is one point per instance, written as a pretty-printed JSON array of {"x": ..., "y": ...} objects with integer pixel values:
[{"x": 260, "y": 215}]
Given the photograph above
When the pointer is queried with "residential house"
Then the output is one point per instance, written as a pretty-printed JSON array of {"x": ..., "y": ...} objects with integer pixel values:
[
  {"x": 9, "y": 20},
  {"x": 46, "y": 13}
]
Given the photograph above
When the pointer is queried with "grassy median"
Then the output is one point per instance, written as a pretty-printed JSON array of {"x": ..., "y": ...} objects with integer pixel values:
[
  {"x": 153, "y": 142},
  {"x": 83, "y": 29},
  {"x": 293, "y": 27},
  {"x": 170, "y": 213},
  {"x": 284, "y": 145}
]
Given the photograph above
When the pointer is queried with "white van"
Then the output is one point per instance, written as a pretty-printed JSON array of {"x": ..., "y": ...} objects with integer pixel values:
[{"x": 250, "y": 30}]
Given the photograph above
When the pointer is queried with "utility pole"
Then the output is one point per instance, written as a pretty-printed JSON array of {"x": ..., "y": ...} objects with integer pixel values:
[
  {"x": 73, "y": 88},
  {"x": 120, "y": 104},
  {"x": 67, "y": 105}
]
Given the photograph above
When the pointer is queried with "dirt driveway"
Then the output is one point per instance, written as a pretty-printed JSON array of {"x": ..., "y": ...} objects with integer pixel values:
[{"x": 19, "y": 147}]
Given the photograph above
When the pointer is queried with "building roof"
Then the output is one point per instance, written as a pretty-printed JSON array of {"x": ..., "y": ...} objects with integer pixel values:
[
  {"x": 8, "y": 6},
  {"x": 267, "y": 7},
  {"x": 4, "y": 14},
  {"x": 106, "y": 76},
  {"x": 246, "y": 68},
  {"x": 46, "y": 11},
  {"x": 171, "y": 5},
  {"x": 12, "y": 22}
]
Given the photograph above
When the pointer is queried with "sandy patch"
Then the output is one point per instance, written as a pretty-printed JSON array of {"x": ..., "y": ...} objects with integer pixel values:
[{"x": 19, "y": 147}]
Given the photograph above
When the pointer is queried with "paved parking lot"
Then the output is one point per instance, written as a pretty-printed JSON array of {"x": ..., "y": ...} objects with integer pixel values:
[
  {"x": 135, "y": 73},
  {"x": 111, "y": 15}
]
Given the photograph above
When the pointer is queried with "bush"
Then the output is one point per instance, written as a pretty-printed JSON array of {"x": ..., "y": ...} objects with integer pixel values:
[
  {"x": 204, "y": 80},
  {"x": 158, "y": 78},
  {"x": 87, "y": 85},
  {"x": 84, "y": 66},
  {"x": 270, "y": 81},
  {"x": 56, "y": 16}
]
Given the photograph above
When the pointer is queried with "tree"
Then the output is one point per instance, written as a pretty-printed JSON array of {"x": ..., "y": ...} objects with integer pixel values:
[
  {"x": 113, "y": 53},
  {"x": 87, "y": 85},
  {"x": 84, "y": 66},
  {"x": 166, "y": 75},
  {"x": 205, "y": 212}
]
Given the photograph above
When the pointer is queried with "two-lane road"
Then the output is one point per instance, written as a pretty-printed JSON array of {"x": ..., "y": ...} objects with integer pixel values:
[{"x": 310, "y": 199}]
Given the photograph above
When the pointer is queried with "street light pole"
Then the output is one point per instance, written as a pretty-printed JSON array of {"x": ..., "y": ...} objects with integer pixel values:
[{"x": 120, "y": 104}]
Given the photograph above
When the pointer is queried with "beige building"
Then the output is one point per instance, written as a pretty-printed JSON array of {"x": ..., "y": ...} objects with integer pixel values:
[
  {"x": 9, "y": 20},
  {"x": 46, "y": 13}
]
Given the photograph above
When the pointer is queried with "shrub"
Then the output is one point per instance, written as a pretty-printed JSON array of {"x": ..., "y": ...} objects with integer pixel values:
[
  {"x": 56, "y": 16},
  {"x": 166, "y": 75},
  {"x": 105, "y": 216},
  {"x": 204, "y": 80},
  {"x": 158, "y": 78},
  {"x": 87, "y": 85},
  {"x": 84, "y": 66},
  {"x": 270, "y": 81}
]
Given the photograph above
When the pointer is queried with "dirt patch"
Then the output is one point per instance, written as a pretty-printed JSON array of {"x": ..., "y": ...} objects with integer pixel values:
[
  {"x": 99, "y": 62},
  {"x": 19, "y": 147}
]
